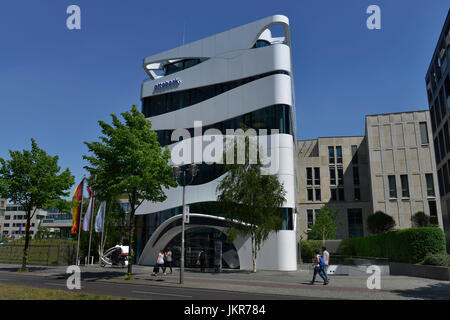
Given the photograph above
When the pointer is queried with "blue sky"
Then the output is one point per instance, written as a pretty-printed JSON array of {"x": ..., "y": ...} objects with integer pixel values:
[{"x": 55, "y": 84}]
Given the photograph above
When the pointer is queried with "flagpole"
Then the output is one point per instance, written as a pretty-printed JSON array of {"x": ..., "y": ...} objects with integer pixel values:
[
  {"x": 79, "y": 222},
  {"x": 103, "y": 230},
  {"x": 90, "y": 231}
]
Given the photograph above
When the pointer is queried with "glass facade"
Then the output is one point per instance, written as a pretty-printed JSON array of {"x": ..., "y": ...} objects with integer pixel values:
[
  {"x": 168, "y": 102},
  {"x": 272, "y": 117}
]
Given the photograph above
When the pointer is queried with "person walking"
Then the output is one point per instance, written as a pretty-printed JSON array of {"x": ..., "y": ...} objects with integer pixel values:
[
  {"x": 159, "y": 263},
  {"x": 326, "y": 260},
  {"x": 202, "y": 260},
  {"x": 168, "y": 260},
  {"x": 318, "y": 264}
]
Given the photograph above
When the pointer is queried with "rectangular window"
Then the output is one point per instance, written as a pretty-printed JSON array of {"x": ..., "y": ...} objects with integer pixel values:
[
  {"x": 309, "y": 177},
  {"x": 310, "y": 216},
  {"x": 333, "y": 194},
  {"x": 405, "y": 186},
  {"x": 430, "y": 185},
  {"x": 392, "y": 187},
  {"x": 357, "y": 194},
  {"x": 433, "y": 212},
  {"x": 447, "y": 137},
  {"x": 440, "y": 182},
  {"x": 318, "y": 195},
  {"x": 7, "y": 217},
  {"x": 340, "y": 176},
  {"x": 333, "y": 176},
  {"x": 423, "y": 133},
  {"x": 341, "y": 194},
  {"x": 331, "y": 155},
  {"x": 6, "y": 225},
  {"x": 446, "y": 178},
  {"x": 339, "y": 154},
  {"x": 355, "y": 223},
  {"x": 310, "y": 195},
  {"x": 436, "y": 150},
  {"x": 317, "y": 176},
  {"x": 355, "y": 154},
  {"x": 355, "y": 175}
]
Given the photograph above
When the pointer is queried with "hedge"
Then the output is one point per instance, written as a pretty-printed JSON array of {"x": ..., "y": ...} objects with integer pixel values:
[
  {"x": 307, "y": 249},
  {"x": 408, "y": 245}
]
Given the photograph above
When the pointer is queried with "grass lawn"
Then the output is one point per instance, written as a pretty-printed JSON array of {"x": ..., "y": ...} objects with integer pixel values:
[{"x": 8, "y": 292}]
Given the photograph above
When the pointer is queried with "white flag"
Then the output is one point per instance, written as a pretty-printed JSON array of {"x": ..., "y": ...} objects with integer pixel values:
[
  {"x": 87, "y": 215},
  {"x": 100, "y": 217}
]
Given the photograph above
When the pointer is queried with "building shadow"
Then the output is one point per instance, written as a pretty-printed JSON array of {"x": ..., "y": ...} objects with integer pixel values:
[{"x": 439, "y": 291}]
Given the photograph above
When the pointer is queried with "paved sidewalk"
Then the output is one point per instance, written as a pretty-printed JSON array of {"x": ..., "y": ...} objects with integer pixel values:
[{"x": 295, "y": 283}]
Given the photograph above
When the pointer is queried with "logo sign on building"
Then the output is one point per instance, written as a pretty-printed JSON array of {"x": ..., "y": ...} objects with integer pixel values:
[
  {"x": 186, "y": 214},
  {"x": 167, "y": 84}
]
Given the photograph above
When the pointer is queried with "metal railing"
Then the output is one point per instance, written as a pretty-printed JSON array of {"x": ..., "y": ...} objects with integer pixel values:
[{"x": 56, "y": 254}]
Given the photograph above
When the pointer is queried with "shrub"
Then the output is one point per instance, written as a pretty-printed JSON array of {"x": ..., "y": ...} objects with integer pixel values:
[
  {"x": 307, "y": 249},
  {"x": 380, "y": 222},
  {"x": 437, "y": 259},
  {"x": 420, "y": 219},
  {"x": 408, "y": 245}
]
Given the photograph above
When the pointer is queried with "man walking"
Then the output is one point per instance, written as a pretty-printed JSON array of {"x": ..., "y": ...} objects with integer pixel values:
[
  {"x": 326, "y": 259},
  {"x": 319, "y": 264}
]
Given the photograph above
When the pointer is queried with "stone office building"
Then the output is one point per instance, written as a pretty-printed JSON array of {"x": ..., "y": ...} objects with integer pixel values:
[
  {"x": 438, "y": 89},
  {"x": 391, "y": 169}
]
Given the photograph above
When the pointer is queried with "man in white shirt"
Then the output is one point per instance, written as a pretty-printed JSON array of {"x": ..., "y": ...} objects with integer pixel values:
[{"x": 326, "y": 259}]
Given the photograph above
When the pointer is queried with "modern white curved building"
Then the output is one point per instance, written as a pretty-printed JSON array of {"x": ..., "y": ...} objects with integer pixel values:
[{"x": 241, "y": 76}]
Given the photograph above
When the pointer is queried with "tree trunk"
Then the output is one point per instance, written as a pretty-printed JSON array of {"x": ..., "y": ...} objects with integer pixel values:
[
  {"x": 254, "y": 253},
  {"x": 130, "y": 243},
  {"x": 27, "y": 241}
]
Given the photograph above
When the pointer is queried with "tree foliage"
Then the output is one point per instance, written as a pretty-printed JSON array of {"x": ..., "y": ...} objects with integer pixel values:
[
  {"x": 129, "y": 160},
  {"x": 31, "y": 178},
  {"x": 380, "y": 222},
  {"x": 251, "y": 201},
  {"x": 325, "y": 224}
]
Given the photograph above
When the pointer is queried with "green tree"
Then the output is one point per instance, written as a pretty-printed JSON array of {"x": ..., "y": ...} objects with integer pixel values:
[
  {"x": 251, "y": 200},
  {"x": 325, "y": 224},
  {"x": 31, "y": 178},
  {"x": 380, "y": 222},
  {"x": 420, "y": 219},
  {"x": 129, "y": 160}
]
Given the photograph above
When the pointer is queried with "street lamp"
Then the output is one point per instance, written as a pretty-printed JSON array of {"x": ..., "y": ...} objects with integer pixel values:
[{"x": 181, "y": 173}]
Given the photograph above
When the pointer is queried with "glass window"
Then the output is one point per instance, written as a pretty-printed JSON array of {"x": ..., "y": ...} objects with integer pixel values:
[
  {"x": 357, "y": 194},
  {"x": 430, "y": 185},
  {"x": 340, "y": 176},
  {"x": 341, "y": 194},
  {"x": 310, "y": 195},
  {"x": 355, "y": 154},
  {"x": 446, "y": 178},
  {"x": 355, "y": 175},
  {"x": 261, "y": 43},
  {"x": 423, "y": 132},
  {"x": 310, "y": 214},
  {"x": 339, "y": 154},
  {"x": 355, "y": 223},
  {"x": 318, "y": 195},
  {"x": 333, "y": 194},
  {"x": 392, "y": 187},
  {"x": 405, "y": 186},
  {"x": 331, "y": 155},
  {"x": 317, "y": 176},
  {"x": 333, "y": 176},
  {"x": 433, "y": 212},
  {"x": 309, "y": 176},
  {"x": 156, "y": 104},
  {"x": 7, "y": 217}
]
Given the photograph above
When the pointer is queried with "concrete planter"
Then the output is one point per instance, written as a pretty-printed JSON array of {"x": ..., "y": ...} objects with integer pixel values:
[{"x": 421, "y": 271}]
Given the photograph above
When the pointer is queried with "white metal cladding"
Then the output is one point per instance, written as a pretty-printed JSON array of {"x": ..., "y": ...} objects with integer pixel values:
[
  {"x": 231, "y": 57},
  {"x": 228, "y": 67}
]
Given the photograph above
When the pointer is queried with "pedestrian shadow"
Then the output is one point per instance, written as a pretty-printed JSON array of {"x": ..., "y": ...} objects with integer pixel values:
[
  {"x": 439, "y": 291},
  {"x": 92, "y": 275},
  {"x": 30, "y": 269}
]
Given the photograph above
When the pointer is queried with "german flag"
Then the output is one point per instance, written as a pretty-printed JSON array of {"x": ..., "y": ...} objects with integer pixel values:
[{"x": 77, "y": 195}]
